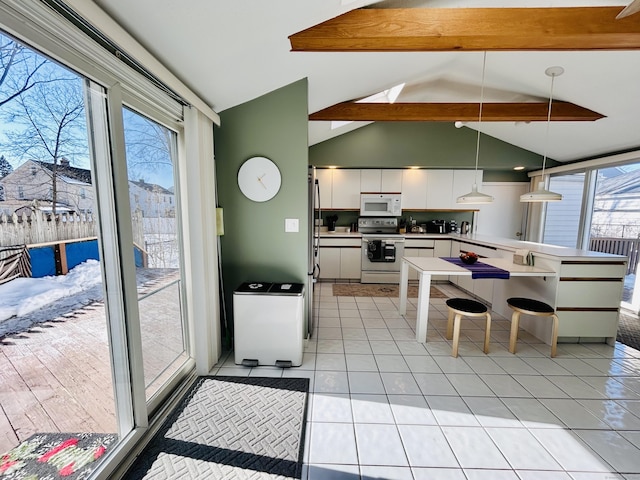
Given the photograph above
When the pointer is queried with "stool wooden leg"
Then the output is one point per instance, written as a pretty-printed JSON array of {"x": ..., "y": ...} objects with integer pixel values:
[
  {"x": 450, "y": 324},
  {"x": 487, "y": 333},
  {"x": 513, "y": 338},
  {"x": 554, "y": 335},
  {"x": 456, "y": 334}
]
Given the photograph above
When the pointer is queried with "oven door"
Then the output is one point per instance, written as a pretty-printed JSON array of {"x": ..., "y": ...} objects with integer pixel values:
[{"x": 381, "y": 257}]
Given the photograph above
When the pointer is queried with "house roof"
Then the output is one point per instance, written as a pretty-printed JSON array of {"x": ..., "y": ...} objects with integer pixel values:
[
  {"x": 151, "y": 187},
  {"x": 74, "y": 174}
]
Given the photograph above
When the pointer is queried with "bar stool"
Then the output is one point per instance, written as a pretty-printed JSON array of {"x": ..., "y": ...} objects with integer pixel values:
[
  {"x": 536, "y": 308},
  {"x": 459, "y": 307}
]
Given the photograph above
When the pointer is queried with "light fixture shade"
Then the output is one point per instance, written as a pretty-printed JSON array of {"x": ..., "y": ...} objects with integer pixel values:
[
  {"x": 474, "y": 197},
  {"x": 541, "y": 195}
]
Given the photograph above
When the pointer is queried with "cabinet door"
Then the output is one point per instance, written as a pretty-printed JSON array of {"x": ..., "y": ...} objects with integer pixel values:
[
  {"x": 463, "y": 181},
  {"x": 346, "y": 189},
  {"x": 329, "y": 262},
  {"x": 391, "y": 181},
  {"x": 414, "y": 189},
  {"x": 370, "y": 180},
  {"x": 325, "y": 182},
  {"x": 439, "y": 187},
  {"x": 442, "y": 248},
  {"x": 350, "y": 262}
]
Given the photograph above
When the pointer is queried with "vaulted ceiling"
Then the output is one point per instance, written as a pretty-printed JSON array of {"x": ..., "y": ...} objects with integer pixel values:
[{"x": 230, "y": 52}]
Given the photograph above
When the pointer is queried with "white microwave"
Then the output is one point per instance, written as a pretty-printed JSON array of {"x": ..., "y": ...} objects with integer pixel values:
[{"x": 380, "y": 204}]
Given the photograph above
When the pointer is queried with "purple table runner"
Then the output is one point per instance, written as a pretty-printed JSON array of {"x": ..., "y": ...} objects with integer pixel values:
[{"x": 479, "y": 269}]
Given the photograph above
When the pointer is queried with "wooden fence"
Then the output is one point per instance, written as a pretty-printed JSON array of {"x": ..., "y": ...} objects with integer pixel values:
[
  {"x": 14, "y": 262},
  {"x": 37, "y": 227},
  {"x": 619, "y": 246}
]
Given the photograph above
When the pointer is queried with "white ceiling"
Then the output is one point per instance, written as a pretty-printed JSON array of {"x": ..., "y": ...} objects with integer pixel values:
[{"x": 230, "y": 52}]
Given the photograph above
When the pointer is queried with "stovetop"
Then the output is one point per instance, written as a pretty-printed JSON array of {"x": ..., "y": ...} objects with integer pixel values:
[{"x": 378, "y": 225}]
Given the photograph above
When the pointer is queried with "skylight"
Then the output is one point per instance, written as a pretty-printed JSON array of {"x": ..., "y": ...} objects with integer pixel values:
[{"x": 390, "y": 95}]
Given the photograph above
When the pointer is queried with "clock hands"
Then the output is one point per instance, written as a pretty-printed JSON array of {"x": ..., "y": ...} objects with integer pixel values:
[{"x": 261, "y": 182}]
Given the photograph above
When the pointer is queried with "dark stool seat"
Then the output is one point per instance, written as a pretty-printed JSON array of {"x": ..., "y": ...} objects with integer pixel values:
[
  {"x": 459, "y": 307},
  {"x": 529, "y": 306}
]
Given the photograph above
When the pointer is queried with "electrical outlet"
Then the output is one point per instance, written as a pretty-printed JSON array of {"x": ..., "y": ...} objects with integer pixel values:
[{"x": 291, "y": 225}]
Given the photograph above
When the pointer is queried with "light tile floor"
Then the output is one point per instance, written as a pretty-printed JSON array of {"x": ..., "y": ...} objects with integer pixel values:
[{"x": 383, "y": 406}]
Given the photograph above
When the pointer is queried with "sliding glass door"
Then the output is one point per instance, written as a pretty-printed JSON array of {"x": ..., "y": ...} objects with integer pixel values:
[
  {"x": 151, "y": 165},
  {"x": 615, "y": 227},
  {"x": 600, "y": 211}
]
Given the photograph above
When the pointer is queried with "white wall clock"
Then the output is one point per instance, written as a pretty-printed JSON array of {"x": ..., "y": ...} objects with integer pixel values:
[{"x": 259, "y": 179}]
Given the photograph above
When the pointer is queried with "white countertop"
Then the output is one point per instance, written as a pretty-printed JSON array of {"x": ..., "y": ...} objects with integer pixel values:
[
  {"x": 540, "y": 249},
  {"x": 439, "y": 266}
]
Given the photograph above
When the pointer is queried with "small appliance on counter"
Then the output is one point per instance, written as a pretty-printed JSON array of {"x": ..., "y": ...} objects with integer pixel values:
[{"x": 441, "y": 226}]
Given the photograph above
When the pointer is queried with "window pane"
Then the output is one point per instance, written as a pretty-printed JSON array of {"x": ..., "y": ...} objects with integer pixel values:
[
  {"x": 150, "y": 149},
  {"x": 615, "y": 227},
  {"x": 55, "y": 354},
  {"x": 562, "y": 221}
]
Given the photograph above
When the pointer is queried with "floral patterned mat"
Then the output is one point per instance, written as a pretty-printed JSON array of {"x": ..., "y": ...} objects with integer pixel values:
[{"x": 51, "y": 456}]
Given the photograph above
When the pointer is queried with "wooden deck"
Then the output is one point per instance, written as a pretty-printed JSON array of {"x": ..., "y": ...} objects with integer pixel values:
[{"x": 56, "y": 377}]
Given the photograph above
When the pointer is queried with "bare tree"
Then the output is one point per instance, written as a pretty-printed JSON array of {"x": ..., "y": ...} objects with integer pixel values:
[
  {"x": 49, "y": 123},
  {"x": 148, "y": 146},
  {"x": 18, "y": 69}
]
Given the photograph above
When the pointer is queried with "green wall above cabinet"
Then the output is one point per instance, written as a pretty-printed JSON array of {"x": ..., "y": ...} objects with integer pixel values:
[{"x": 425, "y": 145}]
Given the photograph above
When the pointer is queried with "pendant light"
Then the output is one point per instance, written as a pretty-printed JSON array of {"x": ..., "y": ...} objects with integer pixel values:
[
  {"x": 541, "y": 194},
  {"x": 474, "y": 196}
]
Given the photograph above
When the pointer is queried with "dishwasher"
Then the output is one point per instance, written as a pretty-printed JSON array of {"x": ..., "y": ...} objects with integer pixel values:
[{"x": 268, "y": 324}]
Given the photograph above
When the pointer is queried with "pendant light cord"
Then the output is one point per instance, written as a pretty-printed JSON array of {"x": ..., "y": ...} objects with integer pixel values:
[
  {"x": 484, "y": 64},
  {"x": 546, "y": 140}
]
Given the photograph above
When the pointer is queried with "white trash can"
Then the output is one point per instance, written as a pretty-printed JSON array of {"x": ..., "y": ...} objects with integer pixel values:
[{"x": 268, "y": 324}]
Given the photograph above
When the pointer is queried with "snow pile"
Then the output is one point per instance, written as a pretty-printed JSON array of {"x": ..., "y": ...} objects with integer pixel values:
[{"x": 25, "y": 295}]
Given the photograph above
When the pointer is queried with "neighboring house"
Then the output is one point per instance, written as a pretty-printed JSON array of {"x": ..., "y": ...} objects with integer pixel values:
[
  {"x": 33, "y": 181},
  {"x": 153, "y": 200},
  {"x": 616, "y": 207}
]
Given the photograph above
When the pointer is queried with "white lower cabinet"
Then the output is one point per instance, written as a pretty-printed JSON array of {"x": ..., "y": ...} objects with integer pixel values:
[
  {"x": 350, "y": 262},
  {"x": 340, "y": 258},
  {"x": 329, "y": 262}
]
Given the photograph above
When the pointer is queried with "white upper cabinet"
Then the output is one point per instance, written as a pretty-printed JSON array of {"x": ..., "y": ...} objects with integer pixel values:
[
  {"x": 421, "y": 189},
  {"x": 414, "y": 189},
  {"x": 371, "y": 180},
  {"x": 439, "y": 187},
  {"x": 325, "y": 182},
  {"x": 375, "y": 180},
  {"x": 346, "y": 189},
  {"x": 391, "y": 181}
]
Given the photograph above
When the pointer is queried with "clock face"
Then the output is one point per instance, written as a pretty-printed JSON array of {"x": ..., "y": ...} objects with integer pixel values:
[{"x": 259, "y": 179}]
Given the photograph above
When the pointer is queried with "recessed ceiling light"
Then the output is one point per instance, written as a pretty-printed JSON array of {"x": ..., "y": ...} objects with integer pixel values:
[{"x": 519, "y": 167}]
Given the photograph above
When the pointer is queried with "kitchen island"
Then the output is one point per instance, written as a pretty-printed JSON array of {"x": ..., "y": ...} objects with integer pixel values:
[{"x": 584, "y": 287}]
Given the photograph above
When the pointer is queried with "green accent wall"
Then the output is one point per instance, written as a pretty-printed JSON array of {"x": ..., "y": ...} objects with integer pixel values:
[
  {"x": 428, "y": 145},
  {"x": 255, "y": 246}
]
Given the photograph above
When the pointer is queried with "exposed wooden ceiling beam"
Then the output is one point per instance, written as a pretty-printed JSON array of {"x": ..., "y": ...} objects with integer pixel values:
[
  {"x": 483, "y": 29},
  {"x": 452, "y": 112}
]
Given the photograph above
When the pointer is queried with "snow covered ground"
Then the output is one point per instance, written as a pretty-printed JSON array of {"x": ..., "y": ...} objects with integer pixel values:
[
  {"x": 23, "y": 300},
  {"x": 28, "y": 301}
]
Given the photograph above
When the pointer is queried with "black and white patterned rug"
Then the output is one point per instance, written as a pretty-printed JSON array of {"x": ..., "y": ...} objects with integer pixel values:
[{"x": 231, "y": 427}]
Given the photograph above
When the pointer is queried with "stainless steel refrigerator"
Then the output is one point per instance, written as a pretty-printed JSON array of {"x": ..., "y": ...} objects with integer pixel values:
[{"x": 313, "y": 250}]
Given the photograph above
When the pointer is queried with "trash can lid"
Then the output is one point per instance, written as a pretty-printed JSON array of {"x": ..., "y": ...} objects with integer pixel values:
[
  {"x": 254, "y": 287},
  {"x": 287, "y": 288}
]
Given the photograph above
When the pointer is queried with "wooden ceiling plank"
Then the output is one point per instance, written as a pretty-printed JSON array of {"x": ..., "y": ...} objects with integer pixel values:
[
  {"x": 472, "y": 29},
  {"x": 452, "y": 112}
]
